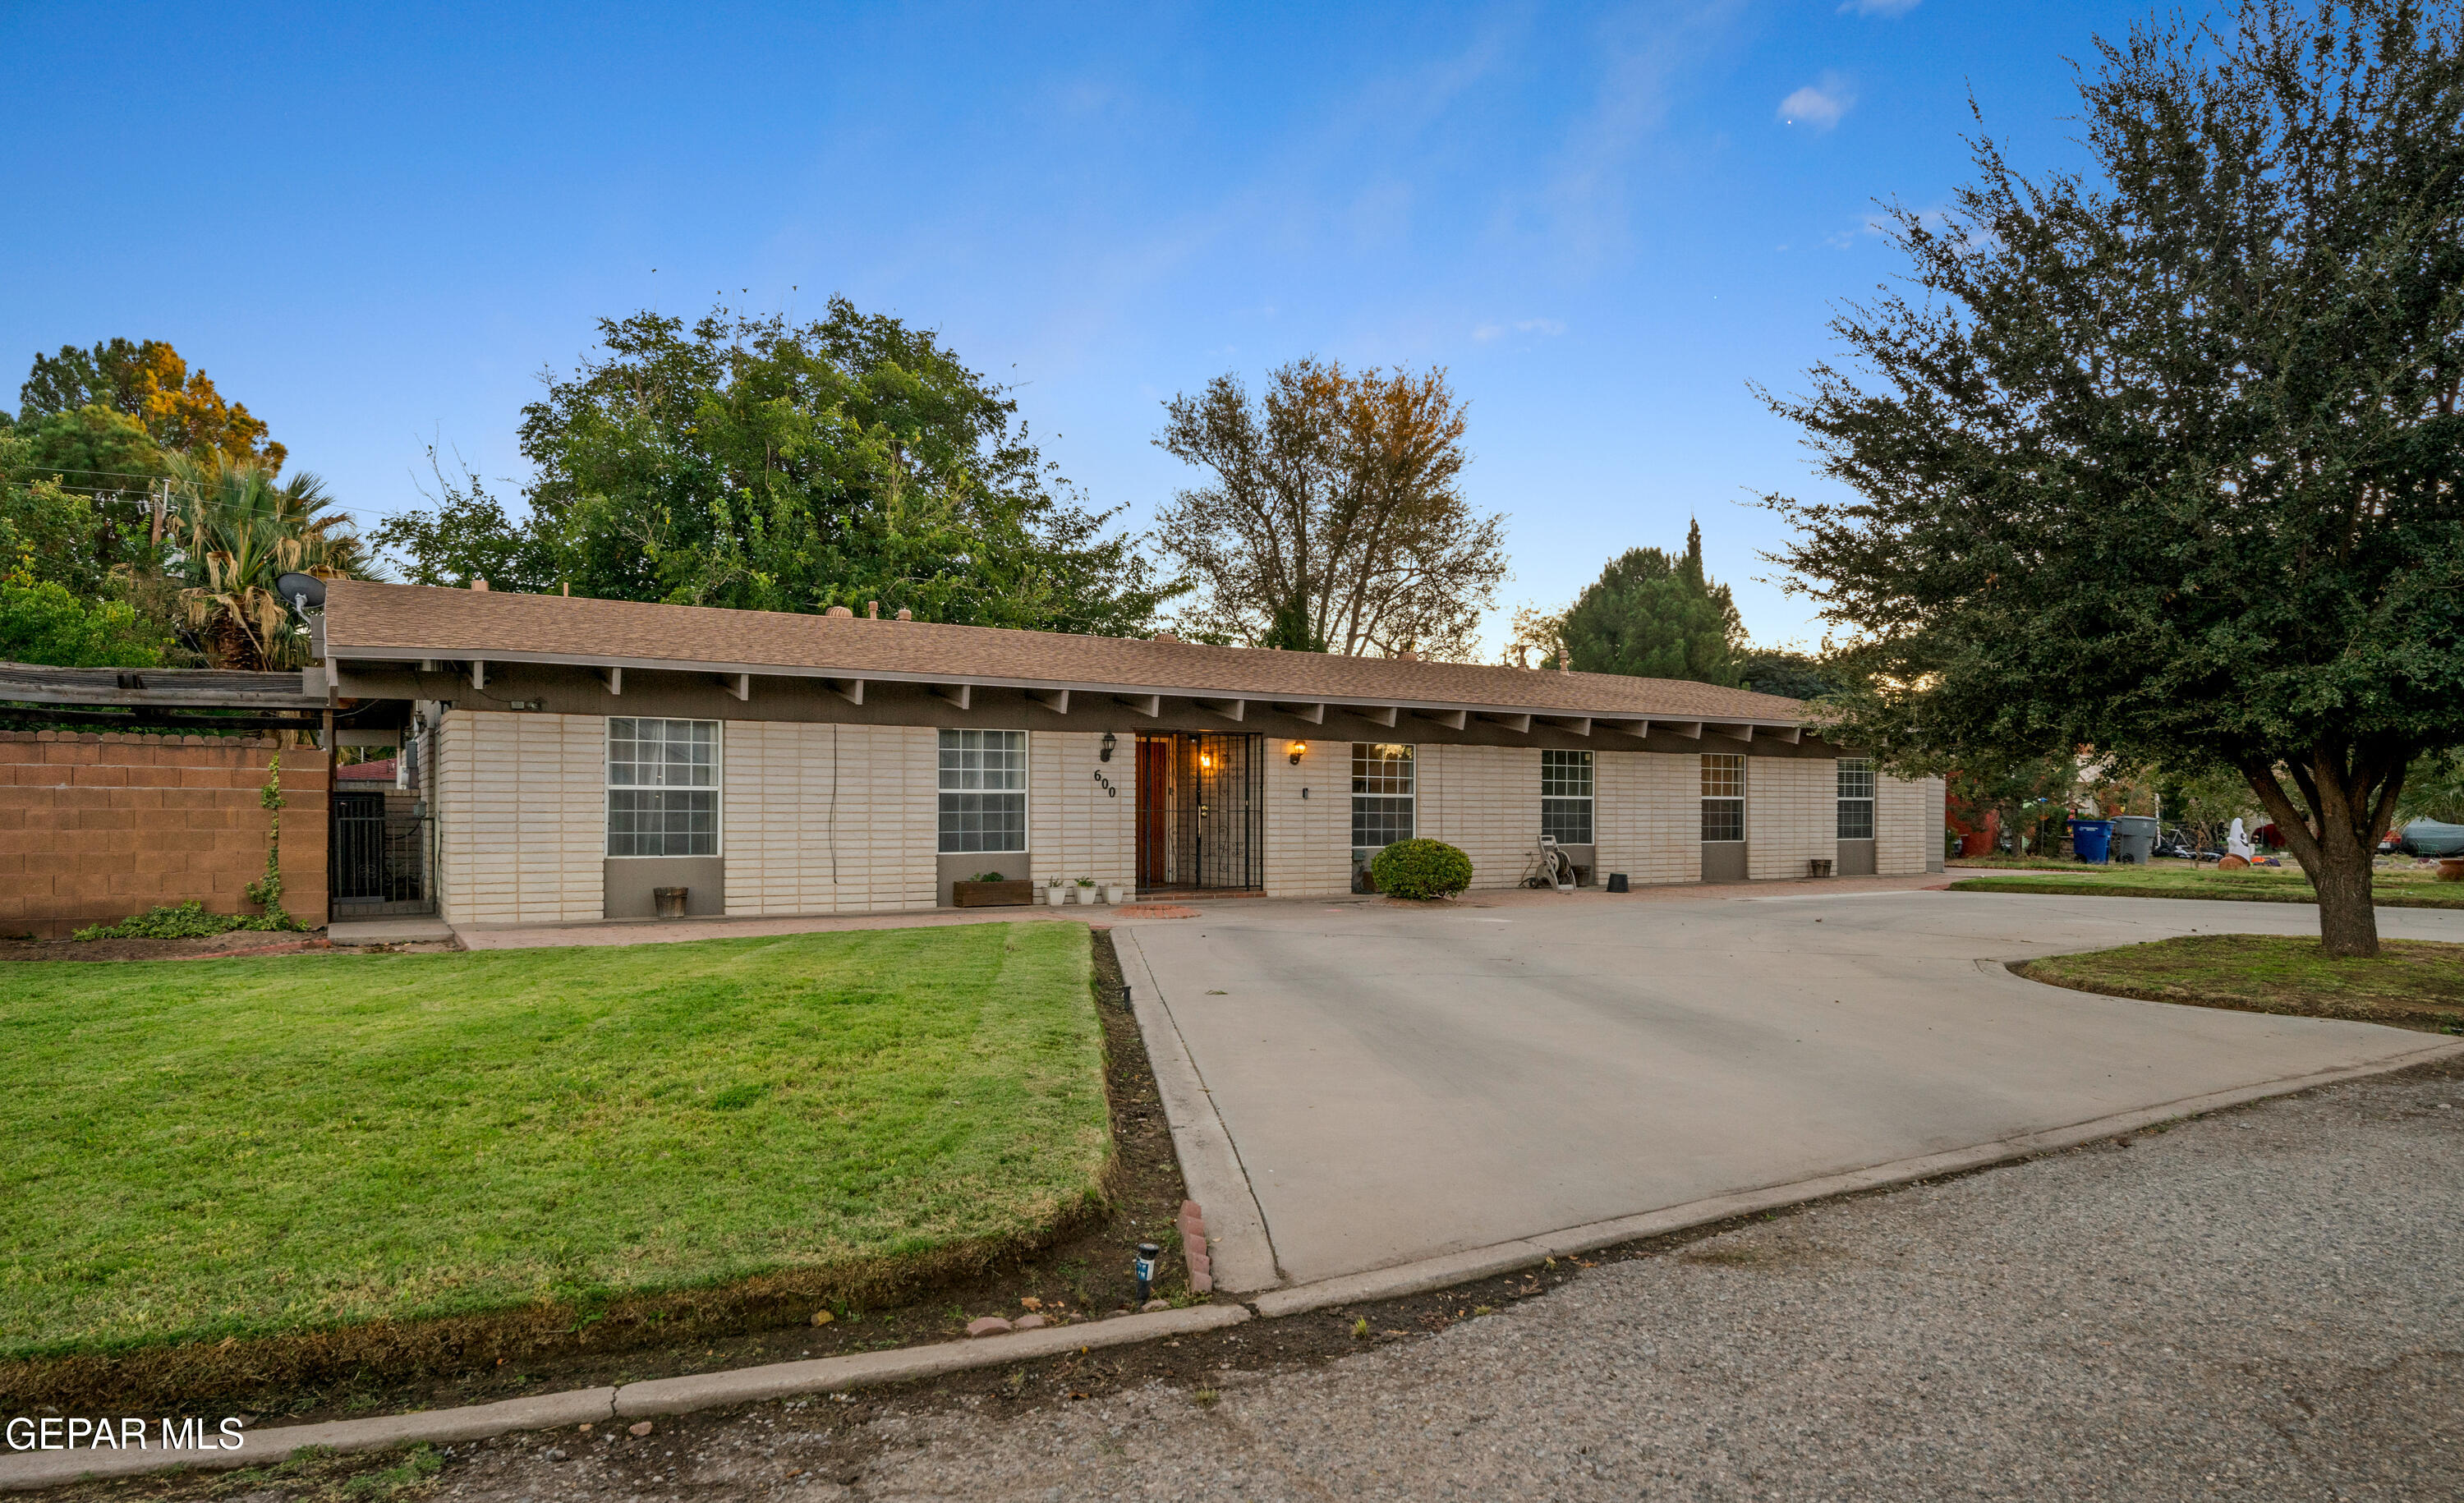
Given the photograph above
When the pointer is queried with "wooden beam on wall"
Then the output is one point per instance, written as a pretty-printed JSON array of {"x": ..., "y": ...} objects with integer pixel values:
[
  {"x": 1150, "y": 705},
  {"x": 613, "y": 678},
  {"x": 1579, "y": 724},
  {"x": 1691, "y": 730},
  {"x": 1376, "y": 714},
  {"x": 1519, "y": 724},
  {"x": 1229, "y": 709},
  {"x": 851, "y": 690},
  {"x": 1314, "y": 714},
  {"x": 1056, "y": 700},
  {"x": 741, "y": 685},
  {"x": 1791, "y": 734},
  {"x": 1451, "y": 719},
  {"x": 960, "y": 695},
  {"x": 1638, "y": 729},
  {"x": 478, "y": 673},
  {"x": 1735, "y": 733}
]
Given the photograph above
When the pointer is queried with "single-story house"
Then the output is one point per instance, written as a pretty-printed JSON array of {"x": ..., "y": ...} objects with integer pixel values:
[{"x": 573, "y": 755}]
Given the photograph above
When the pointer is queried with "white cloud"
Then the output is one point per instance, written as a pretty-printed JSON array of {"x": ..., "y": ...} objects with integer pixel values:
[
  {"x": 1887, "y": 10},
  {"x": 1820, "y": 106},
  {"x": 1547, "y": 328}
]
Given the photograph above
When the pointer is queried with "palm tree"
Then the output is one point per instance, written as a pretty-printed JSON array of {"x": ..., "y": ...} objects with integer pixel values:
[{"x": 238, "y": 530}]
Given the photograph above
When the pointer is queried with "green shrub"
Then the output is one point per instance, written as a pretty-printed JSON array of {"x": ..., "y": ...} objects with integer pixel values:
[
  {"x": 190, "y": 921},
  {"x": 1420, "y": 869}
]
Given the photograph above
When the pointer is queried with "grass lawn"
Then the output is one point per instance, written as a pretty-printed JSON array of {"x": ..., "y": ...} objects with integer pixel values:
[
  {"x": 2392, "y": 887},
  {"x": 2410, "y": 983},
  {"x": 195, "y": 1150}
]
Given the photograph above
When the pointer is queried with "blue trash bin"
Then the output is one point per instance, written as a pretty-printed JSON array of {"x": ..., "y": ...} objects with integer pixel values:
[{"x": 2092, "y": 839}]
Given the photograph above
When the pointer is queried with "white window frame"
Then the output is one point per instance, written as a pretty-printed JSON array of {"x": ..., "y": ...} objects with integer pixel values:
[
  {"x": 1026, "y": 790},
  {"x": 1856, "y": 767},
  {"x": 1587, "y": 799},
  {"x": 1725, "y": 760},
  {"x": 1411, "y": 762},
  {"x": 715, "y": 787}
]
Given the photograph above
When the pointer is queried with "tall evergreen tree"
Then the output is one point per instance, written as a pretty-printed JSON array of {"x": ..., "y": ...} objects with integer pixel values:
[{"x": 1656, "y": 616}]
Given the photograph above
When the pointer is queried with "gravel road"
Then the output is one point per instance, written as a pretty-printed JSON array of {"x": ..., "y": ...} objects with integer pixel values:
[{"x": 2263, "y": 1304}]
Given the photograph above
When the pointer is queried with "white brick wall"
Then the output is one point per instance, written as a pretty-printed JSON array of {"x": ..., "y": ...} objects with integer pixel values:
[
  {"x": 1647, "y": 814},
  {"x": 1792, "y": 814},
  {"x": 1907, "y": 825},
  {"x": 521, "y": 817},
  {"x": 1309, "y": 841},
  {"x": 1074, "y": 828},
  {"x": 830, "y": 818},
  {"x": 1486, "y": 802}
]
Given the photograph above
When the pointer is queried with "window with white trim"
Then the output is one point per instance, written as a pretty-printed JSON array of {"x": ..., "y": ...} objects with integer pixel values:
[
  {"x": 661, "y": 788},
  {"x": 984, "y": 790},
  {"x": 1855, "y": 798},
  {"x": 1381, "y": 794},
  {"x": 1566, "y": 796},
  {"x": 1723, "y": 797}
]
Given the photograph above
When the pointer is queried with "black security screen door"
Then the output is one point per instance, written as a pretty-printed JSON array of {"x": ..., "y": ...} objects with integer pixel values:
[{"x": 1201, "y": 811}]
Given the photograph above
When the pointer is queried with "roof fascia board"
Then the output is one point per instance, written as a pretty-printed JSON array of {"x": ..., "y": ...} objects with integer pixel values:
[{"x": 1348, "y": 704}]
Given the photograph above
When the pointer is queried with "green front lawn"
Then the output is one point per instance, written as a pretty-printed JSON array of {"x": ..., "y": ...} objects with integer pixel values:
[
  {"x": 2410, "y": 983},
  {"x": 2392, "y": 887},
  {"x": 194, "y": 1150}
]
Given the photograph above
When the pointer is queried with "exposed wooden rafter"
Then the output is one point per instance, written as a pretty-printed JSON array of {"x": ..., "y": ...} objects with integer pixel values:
[
  {"x": 1735, "y": 733},
  {"x": 1579, "y": 724},
  {"x": 1150, "y": 705},
  {"x": 1451, "y": 719},
  {"x": 613, "y": 678},
  {"x": 478, "y": 673},
  {"x": 960, "y": 695},
  {"x": 1056, "y": 700},
  {"x": 1638, "y": 729},
  {"x": 1519, "y": 724},
  {"x": 1229, "y": 709},
  {"x": 1375, "y": 714},
  {"x": 851, "y": 690},
  {"x": 1314, "y": 714},
  {"x": 741, "y": 685}
]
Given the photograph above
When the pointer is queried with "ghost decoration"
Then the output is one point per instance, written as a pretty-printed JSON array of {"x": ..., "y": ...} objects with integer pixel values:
[{"x": 2237, "y": 844}]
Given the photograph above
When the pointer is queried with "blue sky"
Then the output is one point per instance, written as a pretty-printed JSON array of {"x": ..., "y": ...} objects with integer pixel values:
[{"x": 377, "y": 226}]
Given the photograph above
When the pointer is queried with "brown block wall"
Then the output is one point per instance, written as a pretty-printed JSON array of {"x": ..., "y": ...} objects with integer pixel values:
[{"x": 94, "y": 828}]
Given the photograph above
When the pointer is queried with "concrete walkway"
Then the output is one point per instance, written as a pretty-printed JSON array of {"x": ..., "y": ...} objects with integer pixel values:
[{"x": 1399, "y": 1084}]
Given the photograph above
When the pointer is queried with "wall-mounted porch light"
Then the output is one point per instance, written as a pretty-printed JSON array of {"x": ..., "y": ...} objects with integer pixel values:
[
  {"x": 1105, "y": 755},
  {"x": 1297, "y": 748}
]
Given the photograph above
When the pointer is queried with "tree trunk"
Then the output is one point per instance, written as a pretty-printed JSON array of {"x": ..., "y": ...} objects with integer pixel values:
[{"x": 2350, "y": 795}]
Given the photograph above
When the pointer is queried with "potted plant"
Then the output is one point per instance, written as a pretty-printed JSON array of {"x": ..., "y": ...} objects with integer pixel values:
[
  {"x": 1116, "y": 892},
  {"x": 1056, "y": 893},
  {"x": 991, "y": 890},
  {"x": 1086, "y": 890}
]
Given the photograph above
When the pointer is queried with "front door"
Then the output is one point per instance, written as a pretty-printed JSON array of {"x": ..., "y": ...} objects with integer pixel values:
[{"x": 1155, "y": 787}]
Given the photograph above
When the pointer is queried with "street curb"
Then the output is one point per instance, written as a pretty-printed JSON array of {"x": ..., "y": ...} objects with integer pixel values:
[
  {"x": 1242, "y": 1256},
  {"x": 1457, "y": 1267},
  {"x": 25, "y": 1471}
]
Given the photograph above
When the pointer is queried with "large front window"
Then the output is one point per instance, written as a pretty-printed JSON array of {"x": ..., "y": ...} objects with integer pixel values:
[
  {"x": 1723, "y": 797},
  {"x": 661, "y": 788},
  {"x": 1855, "y": 798},
  {"x": 1381, "y": 794},
  {"x": 1566, "y": 796},
  {"x": 984, "y": 790}
]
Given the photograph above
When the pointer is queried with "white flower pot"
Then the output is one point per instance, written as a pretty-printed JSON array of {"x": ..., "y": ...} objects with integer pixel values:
[
  {"x": 1116, "y": 895},
  {"x": 1055, "y": 896},
  {"x": 1082, "y": 895}
]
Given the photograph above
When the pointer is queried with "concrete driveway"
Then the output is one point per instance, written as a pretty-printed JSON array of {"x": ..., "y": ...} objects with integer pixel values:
[{"x": 1399, "y": 1084}]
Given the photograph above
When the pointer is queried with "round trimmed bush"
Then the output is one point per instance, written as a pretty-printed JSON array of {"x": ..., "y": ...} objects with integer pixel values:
[{"x": 1420, "y": 868}]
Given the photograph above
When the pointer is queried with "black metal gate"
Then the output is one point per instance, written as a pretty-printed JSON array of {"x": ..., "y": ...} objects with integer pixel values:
[
  {"x": 377, "y": 862},
  {"x": 1201, "y": 811}
]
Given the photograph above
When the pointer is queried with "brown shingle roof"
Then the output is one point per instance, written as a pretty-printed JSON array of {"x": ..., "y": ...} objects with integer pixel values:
[{"x": 366, "y": 620}]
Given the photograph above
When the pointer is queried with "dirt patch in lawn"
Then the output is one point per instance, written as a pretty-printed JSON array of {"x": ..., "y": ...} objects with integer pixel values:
[
  {"x": 237, "y": 942},
  {"x": 2411, "y": 983},
  {"x": 1080, "y": 1270}
]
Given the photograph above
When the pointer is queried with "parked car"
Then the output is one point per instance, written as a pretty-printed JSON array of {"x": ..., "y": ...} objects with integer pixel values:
[{"x": 2429, "y": 837}]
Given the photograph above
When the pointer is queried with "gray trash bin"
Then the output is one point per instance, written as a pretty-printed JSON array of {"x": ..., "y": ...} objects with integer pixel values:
[{"x": 2134, "y": 838}]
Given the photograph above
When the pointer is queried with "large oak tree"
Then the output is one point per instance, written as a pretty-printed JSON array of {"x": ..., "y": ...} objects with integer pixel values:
[{"x": 2163, "y": 457}]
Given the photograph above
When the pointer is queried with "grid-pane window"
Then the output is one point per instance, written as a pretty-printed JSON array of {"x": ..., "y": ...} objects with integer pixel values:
[
  {"x": 984, "y": 790},
  {"x": 1566, "y": 796},
  {"x": 1724, "y": 796},
  {"x": 1855, "y": 798},
  {"x": 1381, "y": 794},
  {"x": 661, "y": 788}
]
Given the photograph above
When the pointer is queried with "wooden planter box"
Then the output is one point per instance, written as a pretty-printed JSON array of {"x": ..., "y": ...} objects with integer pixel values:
[{"x": 991, "y": 894}]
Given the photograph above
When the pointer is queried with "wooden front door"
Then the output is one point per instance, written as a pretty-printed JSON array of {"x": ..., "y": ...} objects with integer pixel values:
[{"x": 1156, "y": 755}]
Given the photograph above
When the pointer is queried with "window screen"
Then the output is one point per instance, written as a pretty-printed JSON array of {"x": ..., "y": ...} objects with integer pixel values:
[
  {"x": 1566, "y": 796},
  {"x": 984, "y": 790},
  {"x": 1855, "y": 798},
  {"x": 1724, "y": 796},
  {"x": 1381, "y": 794},
  {"x": 661, "y": 788}
]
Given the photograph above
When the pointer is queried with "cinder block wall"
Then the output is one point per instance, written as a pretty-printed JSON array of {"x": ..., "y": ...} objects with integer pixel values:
[
  {"x": 521, "y": 817},
  {"x": 1074, "y": 828},
  {"x": 1647, "y": 814},
  {"x": 818, "y": 818},
  {"x": 1486, "y": 802},
  {"x": 1792, "y": 814},
  {"x": 1907, "y": 825},
  {"x": 94, "y": 828},
  {"x": 1308, "y": 840}
]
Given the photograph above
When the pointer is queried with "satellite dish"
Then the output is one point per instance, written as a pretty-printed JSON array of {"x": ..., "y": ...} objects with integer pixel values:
[{"x": 304, "y": 592}]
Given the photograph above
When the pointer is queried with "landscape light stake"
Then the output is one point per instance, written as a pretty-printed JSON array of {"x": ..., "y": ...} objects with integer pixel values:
[{"x": 1144, "y": 1268}]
